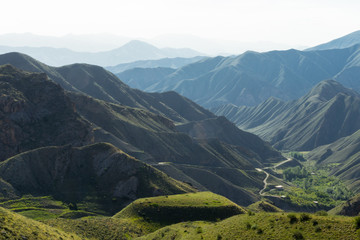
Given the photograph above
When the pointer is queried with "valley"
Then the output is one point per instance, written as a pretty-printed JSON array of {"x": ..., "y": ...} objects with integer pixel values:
[{"x": 253, "y": 146}]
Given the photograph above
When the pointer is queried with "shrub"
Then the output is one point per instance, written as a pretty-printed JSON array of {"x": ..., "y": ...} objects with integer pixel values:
[
  {"x": 315, "y": 223},
  {"x": 199, "y": 230},
  {"x": 357, "y": 222},
  {"x": 259, "y": 231},
  {"x": 292, "y": 217},
  {"x": 318, "y": 229},
  {"x": 304, "y": 217},
  {"x": 250, "y": 213},
  {"x": 219, "y": 237},
  {"x": 321, "y": 213},
  {"x": 298, "y": 235},
  {"x": 248, "y": 225}
]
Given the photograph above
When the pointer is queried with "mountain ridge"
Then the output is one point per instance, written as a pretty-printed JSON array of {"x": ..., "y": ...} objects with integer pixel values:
[
  {"x": 251, "y": 78},
  {"x": 328, "y": 112},
  {"x": 134, "y": 50},
  {"x": 341, "y": 42}
]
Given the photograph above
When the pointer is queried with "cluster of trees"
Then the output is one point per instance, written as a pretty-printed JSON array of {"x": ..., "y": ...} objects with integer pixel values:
[
  {"x": 295, "y": 173},
  {"x": 297, "y": 156},
  {"x": 317, "y": 186}
]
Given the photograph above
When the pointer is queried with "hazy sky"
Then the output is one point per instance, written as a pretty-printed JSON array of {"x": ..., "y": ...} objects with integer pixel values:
[{"x": 293, "y": 22}]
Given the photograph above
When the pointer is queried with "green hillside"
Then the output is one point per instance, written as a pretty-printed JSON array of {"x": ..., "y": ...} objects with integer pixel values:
[
  {"x": 15, "y": 226},
  {"x": 263, "y": 226},
  {"x": 180, "y": 208}
]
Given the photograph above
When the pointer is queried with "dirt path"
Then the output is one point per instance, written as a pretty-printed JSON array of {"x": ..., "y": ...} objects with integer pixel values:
[
  {"x": 265, "y": 184},
  {"x": 261, "y": 192}
]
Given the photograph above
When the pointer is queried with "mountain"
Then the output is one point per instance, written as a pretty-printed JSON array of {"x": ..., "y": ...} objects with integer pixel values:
[
  {"x": 99, "y": 83},
  {"x": 342, "y": 42},
  {"x": 227, "y": 132},
  {"x": 251, "y": 78},
  {"x": 328, "y": 112},
  {"x": 132, "y": 51},
  {"x": 342, "y": 157},
  {"x": 142, "y": 78},
  {"x": 161, "y": 63},
  {"x": 31, "y": 118},
  {"x": 100, "y": 174},
  {"x": 209, "y": 164}
]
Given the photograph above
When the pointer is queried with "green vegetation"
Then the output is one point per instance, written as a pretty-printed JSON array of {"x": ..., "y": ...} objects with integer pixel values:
[
  {"x": 182, "y": 207},
  {"x": 357, "y": 222},
  {"x": 45, "y": 207},
  {"x": 262, "y": 226},
  {"x": 313, "y": 188},
  {"x": 295, "y": 173},
  {"x": 15, "y": 226},
  {"x": 104, "y": 228},
  {"x": 263, "y": 206},
  {"x": 297, "y": 155}
]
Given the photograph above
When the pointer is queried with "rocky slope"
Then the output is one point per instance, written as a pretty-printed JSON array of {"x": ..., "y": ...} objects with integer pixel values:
[
  {"x": 35, "y": 112},
  {"x": 97, "y": 173}
]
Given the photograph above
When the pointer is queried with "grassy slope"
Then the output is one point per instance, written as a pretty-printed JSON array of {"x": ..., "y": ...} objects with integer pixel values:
[
  {"x": 261, "y": 226},
  {"x": 348, "y": 208},
  {"x": 181, "y": 207},
  {"x": 104, "y": 228},
  {"x": 15, "y": 226},
  {"x": 147, "y": 215},
  {"x": 263, "y": 206}
]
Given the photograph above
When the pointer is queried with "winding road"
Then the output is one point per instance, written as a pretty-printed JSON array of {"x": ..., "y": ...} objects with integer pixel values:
[{"x": 261, "y": 192}]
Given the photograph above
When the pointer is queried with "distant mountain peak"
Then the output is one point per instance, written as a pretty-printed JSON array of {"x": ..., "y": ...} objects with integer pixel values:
[
  {"x": 137, "y": 43},
  {"x": 328, "y": 89}
]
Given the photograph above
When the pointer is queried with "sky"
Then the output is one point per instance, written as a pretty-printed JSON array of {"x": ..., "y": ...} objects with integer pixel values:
[{"x": 288, "y": 22}]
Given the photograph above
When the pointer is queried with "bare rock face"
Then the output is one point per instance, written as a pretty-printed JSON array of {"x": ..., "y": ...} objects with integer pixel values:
[{"x": 35, "y": 112}]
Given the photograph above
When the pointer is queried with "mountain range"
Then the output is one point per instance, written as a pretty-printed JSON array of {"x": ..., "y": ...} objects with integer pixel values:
[
  {"x": 326, "y": 113},
  {"x": 251, "y": 78},
  {"x": 134, "y": 50},
  {"x": 94, "y": 158},
  {"x": 141, "y": 124},
  {"x": 169, "y": 63}
]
